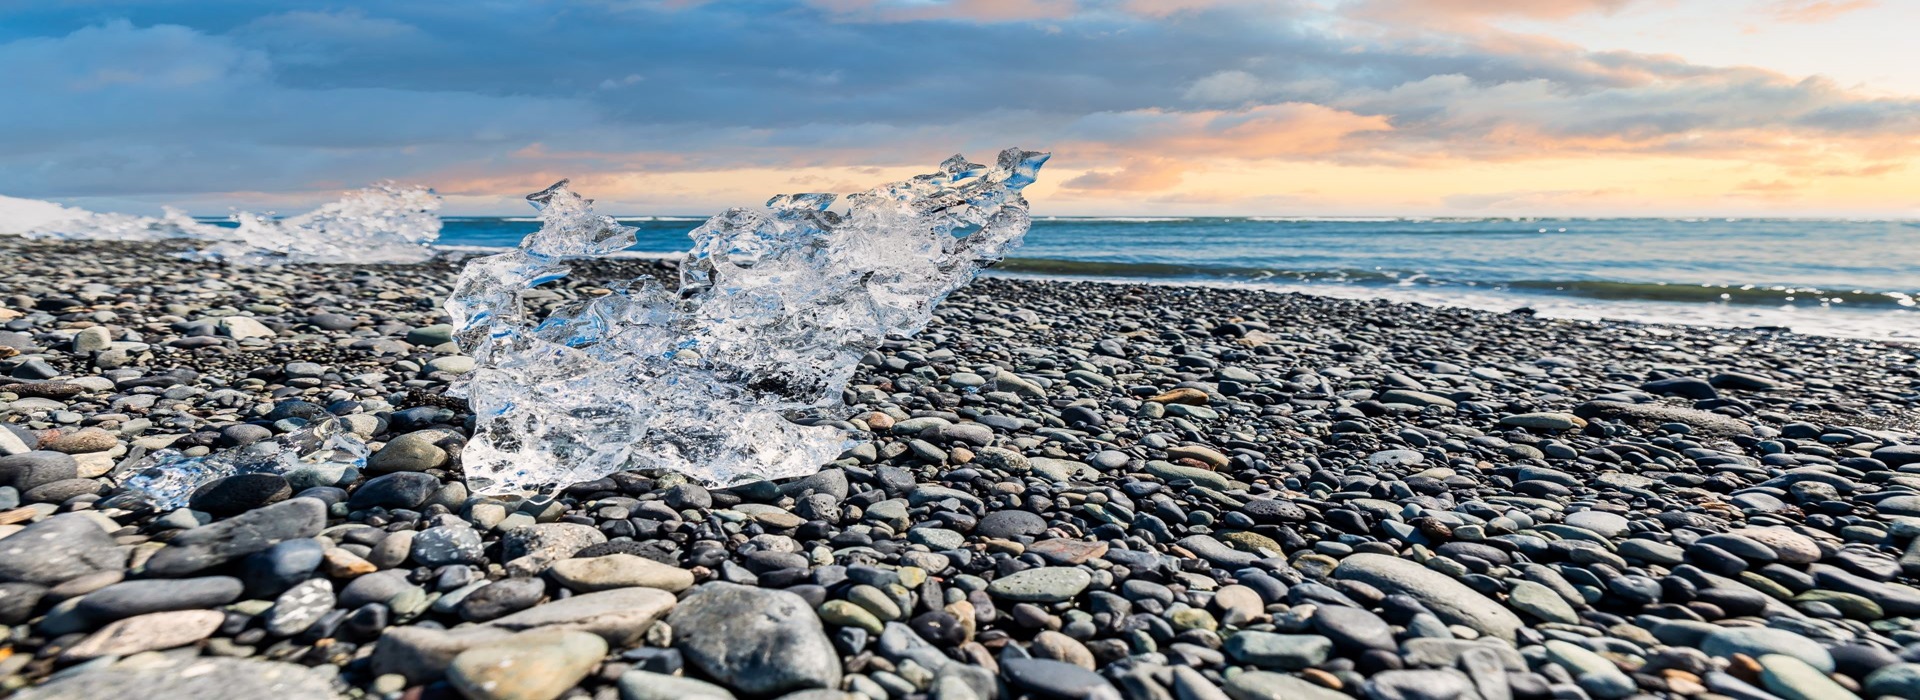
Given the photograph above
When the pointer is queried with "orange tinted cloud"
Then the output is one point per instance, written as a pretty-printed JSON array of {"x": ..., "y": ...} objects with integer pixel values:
[
  {"x": 970, "y": 10},
  {"x": 1467, "y": 11},
  {"x": 1166, "y": 8},
  {"x": 1154, "y": 149},
  {"x": 1023, "y": 10},
  {"x": 1815, "y": 11},
  {"x": 1141, "y": 174}
]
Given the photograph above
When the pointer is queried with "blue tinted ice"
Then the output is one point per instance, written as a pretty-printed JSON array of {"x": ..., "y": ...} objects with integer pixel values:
[
  {"x": 326, "y": 448},
  {"x": 775, "y": 306}
]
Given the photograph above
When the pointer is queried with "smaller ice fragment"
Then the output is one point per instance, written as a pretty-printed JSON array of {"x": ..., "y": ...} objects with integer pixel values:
[{"x": 321, "y": 451}]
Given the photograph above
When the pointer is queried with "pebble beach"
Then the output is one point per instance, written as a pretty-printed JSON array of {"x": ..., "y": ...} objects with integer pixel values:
[{"x": 1059, "y": 490}]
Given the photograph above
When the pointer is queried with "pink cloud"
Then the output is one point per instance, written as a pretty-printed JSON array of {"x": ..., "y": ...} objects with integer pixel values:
[
  {"x": 1141, "y": 174},
  {"x": 1155, "y": 149},
  {"x": 966, "y": 10},
  {"x": 1815, "y": 11},
  {"x": 990, "y": 11},
  {"x": 1166, "y": 8},
  {"x": 1470, "y": 11}
]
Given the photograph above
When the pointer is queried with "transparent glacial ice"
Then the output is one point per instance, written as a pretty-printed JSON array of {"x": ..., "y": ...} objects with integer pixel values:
[
  {"x": 109, "y": 226},
  {"x": 380, "y": 224},
  {"x": 318, "y": 453},
  {"x": 775, "y": 307}
]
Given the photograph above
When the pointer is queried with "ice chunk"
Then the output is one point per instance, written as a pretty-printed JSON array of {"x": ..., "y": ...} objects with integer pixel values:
[
  {"x": 324, "y": 448},
  {"x": 18, "y": 216},
  {"x": 379, "y": 224},
  {"x": 108, "y": 226},
  {"x": 775, "y": 307}
]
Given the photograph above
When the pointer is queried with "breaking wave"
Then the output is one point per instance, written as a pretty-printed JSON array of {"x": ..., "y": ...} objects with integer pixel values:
[
  {"x": 1117, "y": 219},
  {"x": 1745, "y": 295}
]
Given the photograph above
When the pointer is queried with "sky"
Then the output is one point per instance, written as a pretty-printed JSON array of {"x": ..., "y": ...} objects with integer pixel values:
[{"x": 1169, "y": 107}]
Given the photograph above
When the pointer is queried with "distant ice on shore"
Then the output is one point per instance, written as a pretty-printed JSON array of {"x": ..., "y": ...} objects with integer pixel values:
[
  {"x": 37, "y": 219},
  {"x": 379, "y": 224}
]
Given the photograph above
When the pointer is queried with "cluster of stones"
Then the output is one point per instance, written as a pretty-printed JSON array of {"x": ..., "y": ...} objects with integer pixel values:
[{"x": 1060, "y": 491}]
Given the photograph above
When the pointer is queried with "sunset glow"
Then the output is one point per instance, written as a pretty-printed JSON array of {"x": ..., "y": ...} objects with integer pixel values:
[{"x": 1360, "y": 107}]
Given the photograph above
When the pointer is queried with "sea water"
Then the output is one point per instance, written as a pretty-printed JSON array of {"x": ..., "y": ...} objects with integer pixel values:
[
  {"x": 1857, "y": 278},
  {"x": 1841, "y": 277}
]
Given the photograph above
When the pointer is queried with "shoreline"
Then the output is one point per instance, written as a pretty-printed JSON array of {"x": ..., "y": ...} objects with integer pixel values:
[
  {"x": 1672, "y": 314},
  {"x": 1890, "y": 325},
  {"x": 1059, "y": 489}
]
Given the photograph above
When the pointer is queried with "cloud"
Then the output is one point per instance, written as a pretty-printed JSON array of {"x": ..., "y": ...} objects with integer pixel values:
[
  {"x": 1452, "y": 114},
  {"x": 1814, "y": 11},
  {"x": 1279, "y": 131},
  {"x": 323, "y": 37},
  {"x": 1528, "y": 200},
  {"x": 1475, "y": 10},
  {"x": 120, "y": 109},
  {"x": 992, "y": 11},
  {"x": 1766, "y": 186},
  {"x": 1141, "y": 174},
  {"x": 117, "y": 56},
  {"x": 968, "y": 10},
  {"x": 1228, "y": 87},
  {"x": 147, "y": 99}
]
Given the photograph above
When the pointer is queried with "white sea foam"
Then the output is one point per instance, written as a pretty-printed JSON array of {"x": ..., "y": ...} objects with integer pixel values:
[
  {"x": 1118, "y": 219},
  {"x": 1896, "y": 325},
  {"x": 1330, "y": 219}
]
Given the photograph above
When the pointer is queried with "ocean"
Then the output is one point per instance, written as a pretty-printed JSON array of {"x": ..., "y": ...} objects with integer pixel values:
[{"x": 1854, "y": 278}]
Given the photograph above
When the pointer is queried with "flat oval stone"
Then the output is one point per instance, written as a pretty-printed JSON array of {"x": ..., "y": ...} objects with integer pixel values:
[
  {"x": 152, "y": 632},
  {"x": 1287, "y": 652},
  {"x": 1057, "y": 680},
  {"x": 1354, "y": 628},
  {"x": 207, "y": 677},
  {"x": 1792, "y": 547},
  {"x": 1760, "y": 641},
  {"x": 1451, "y": 600},
  {"x": 619, "y": 571},
  {"x": 1601, "y": 522},
  {"x": 130, "y": 598},
  {"x": 1009, "y": 524},
  {"x": 527, "y": 666},
  {"x": 1047, "y": 584}
]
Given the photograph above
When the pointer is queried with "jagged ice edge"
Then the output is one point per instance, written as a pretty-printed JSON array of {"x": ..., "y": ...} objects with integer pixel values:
[
  {"x": 383, "y": 223},
  {"x": 321, "y": 453},
  {"x": 775, "y": 306}
]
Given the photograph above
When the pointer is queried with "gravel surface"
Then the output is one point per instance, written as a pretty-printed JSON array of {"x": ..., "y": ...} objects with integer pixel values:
[{"x": 1058, "y": 491}]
